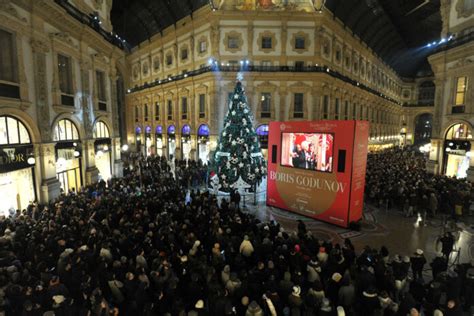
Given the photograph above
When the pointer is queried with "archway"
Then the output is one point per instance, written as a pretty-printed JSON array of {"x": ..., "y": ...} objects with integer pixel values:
[
  {"x": 203, "y": 143},
  {"x": 423, "y": 129},
  {"x": 456, "y": 150},
  {"x": 68, "y": 151},
  {"x": 17, "y": 185},
  {"x": 159, "y": 140},
  {"x": 186, "y": 142},
  {"x": 103, "y": 148},
  {"x": 171, "y": 142}
]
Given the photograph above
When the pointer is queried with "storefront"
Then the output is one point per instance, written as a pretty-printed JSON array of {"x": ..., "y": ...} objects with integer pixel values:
[
  {"x": 171, "y": 142},
  {"x": 68, "y": 151},
  {"x": 186, "y": 142},
  {"x": 138, "y": 139},
  {"x": 457, "y": 151},
  {"x": 103, "y": 150},
  {"x": 17, "y": 182},
  {"x": 262, "y": 134},
  {"x": 148, "y": 142},
  {"x": 159, "y": 140},
  {"x": 203, "y": 143}
]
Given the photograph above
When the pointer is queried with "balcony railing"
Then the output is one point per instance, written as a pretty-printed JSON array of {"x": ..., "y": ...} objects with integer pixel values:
[
  {"x": 252, "y": 68},
  {"x": 458, "y": 109}
]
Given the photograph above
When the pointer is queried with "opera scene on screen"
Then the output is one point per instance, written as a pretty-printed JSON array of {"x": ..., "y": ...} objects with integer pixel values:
[{"x": 236, "y": 157}]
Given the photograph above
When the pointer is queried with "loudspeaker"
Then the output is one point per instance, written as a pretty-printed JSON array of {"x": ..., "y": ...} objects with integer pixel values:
[
  {"x": 274, "y": 153},
  {"x": 341, "y": 161}
]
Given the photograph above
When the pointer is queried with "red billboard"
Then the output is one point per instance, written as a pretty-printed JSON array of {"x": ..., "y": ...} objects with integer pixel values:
[{"x": 317, "y": 169}]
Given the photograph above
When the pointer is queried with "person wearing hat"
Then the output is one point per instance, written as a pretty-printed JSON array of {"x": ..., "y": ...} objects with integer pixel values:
[
  {"x": 418, "y": 262},
  {"x": 369, "y": 302},
  {"x": 438, "y": 265},
  {"x": 294, "y": 299},
  {"x": 326, "y": 308},
  {"x": 246, "y": 247},
  {"x": 254, "y": 310}
]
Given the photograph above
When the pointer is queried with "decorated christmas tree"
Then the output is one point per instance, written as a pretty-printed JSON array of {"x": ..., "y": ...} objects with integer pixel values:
[{"x": 238, "y": 153}]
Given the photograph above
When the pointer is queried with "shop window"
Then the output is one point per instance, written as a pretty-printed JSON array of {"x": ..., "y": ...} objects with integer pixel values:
[
  {"x": 170, "y": 110},
  {"x": 266, "y": 42},
  {"x": 298, "y": 105},
  {"x": 184, "y": 108},
  {"x": 262, "y": 134},
  {"x": 325, "y": 107},
  {"x": 12, "y": 131},
  {"x": 65, "y": 74},
  {"x": 202, "y": 105},
  {"x": 157, "y": 111},
  {"x": 233, "y": 42},
  {"x": 336, "y": 108},
  {"x": 8, "y": 71},
  {"x": 265, "y": 105},
  {"x": 65, "y": 130},
  {"x": 300, "y": 42},
  {"x": 101, "y": 130}
]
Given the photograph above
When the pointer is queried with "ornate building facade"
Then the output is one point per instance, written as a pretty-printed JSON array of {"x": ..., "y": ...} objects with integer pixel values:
[
  {"x": 297, "y": 64},
  {"x": 452, "y": 146},
  {"x": 58, "y": 99}
]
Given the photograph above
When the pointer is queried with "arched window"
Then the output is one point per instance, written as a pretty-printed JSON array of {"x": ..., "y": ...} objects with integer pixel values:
[
  {"x": 262, "y": 133},
  {"x": 459, "y": 131},
  {"x": 65, "y": 130},
  {"x": 13, "y": 131},
  {"x": 101, "y": 130},
  {"x": 423, "y": 128}
]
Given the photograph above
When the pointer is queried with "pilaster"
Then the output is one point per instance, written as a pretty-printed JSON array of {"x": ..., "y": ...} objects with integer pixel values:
[
  {"x": 92, "y": 173},
  {"x": 50, "y": 185}
]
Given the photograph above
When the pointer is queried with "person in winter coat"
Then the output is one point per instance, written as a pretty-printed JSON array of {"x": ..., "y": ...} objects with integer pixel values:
[
  {"x": 294, "y": 299},
  {"x": 438, "y": 265},
  {"x": 433, "y": 203},
  {"x": 254, "y": 310},
  {"x": 418, "y": 262},
  {"x": 246, "y": 247},
  {"x": 346, "y": 295},
  {"x": 369, "y": 302}
]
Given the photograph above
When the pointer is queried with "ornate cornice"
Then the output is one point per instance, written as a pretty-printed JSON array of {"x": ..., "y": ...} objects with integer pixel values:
[
  {"x": 6, "y": 6},
  {"x": 39, "y": 46}
]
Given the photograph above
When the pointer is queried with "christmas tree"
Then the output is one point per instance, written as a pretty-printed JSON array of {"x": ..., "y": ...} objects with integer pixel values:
[{"x": 238, "y": 153}]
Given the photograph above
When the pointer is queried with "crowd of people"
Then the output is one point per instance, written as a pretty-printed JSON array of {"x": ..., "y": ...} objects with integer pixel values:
[
  {"x": 146, "y": 244},
  {"x": 397, "y": 178}
]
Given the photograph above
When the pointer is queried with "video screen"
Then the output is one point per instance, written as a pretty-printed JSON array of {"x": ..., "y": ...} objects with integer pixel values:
[{"x": 312, "y": 151}]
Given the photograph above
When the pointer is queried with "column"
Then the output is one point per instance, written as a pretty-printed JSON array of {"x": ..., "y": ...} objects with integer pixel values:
[
  {"x": 92, "y": 173},
  {"x": 50, "y": 186},
  {"x": 470, "y": 171},
  {"x": 433, "y": 165},
  {"x": 117, "y": 168},
  {"x": 282, "y": 114}
]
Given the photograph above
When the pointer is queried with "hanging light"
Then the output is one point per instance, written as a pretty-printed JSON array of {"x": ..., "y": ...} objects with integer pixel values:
[
  {"x": 319, "y": 5},
  {"x": 106, "y": 147},
  {"x": 31, "y": 160},
  {"x": 124, "y": 147},
  {"x": 76, "y": 153}
]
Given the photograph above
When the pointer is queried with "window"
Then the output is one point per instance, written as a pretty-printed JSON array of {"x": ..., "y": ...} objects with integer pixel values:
[
  {"x": 337, "y": 109},
  {"x": 65, "y": 74},
  {"x": 461, "y": 88},
  {"x": 65, "y": 130},
  {"x": 468, "y": 5},
  {"x": 325, "y": 107},
  {"x": 346, "y": 110},
  {"x": 298, "y": 106},
  {"x": 266, "y": 42},
  {"x": 7, "y": 57},
  {"x": 170, "y": 110},
  {"x": 299, "y": 65},
  {"x": 233, "y": 42},
  {"x": 156, "y": 64},
  {"x": 169, "y": 60},
  {"x": 100, "y": 78},
  {"x": 184, "y": 108},
  {"x": 326, "y": 48},
  {"x": 348, "y": 61},
  {"x": 265, "y": 105},
  {"x": 202, "y": 46},
  {"x": 202, "y": 105},
  {"x": 157, "y": 111},
  {"x": 354, "y": 111},
  {"x": 12, "y": 131},
  {"x": 101, "y": 130},
  {"x": 137, "y": 113},
  {"x": 184, "y": 54},
  {"x": 338, "y": 55},
  {"x": 145, "y": 110},
  {"x": 300, "y": 42}
]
